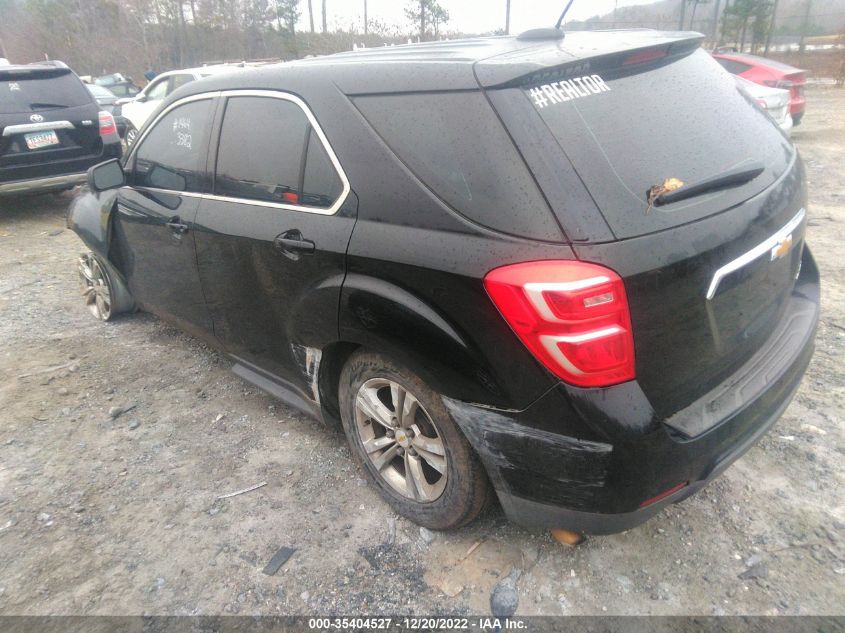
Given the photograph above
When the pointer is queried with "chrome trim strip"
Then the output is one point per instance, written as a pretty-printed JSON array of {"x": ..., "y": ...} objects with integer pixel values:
[
  {"x": 754, "y": 253},
  {"x": 23, "y": 128},
  {"x": 246, "y": 201},
  {"x": 42, "y": 183}
]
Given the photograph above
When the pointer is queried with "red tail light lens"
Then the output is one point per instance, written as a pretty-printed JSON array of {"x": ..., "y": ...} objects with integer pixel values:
[
  {"x": 573, "y": 317},
  {"x": 648, "y": 55},
  {"x": 107, "y": 124}
]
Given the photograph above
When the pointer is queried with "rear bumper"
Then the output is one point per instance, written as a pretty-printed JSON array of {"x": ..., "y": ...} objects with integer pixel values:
[
  {"x": 547, "y": 474},
  {"x": 52, "y": 176}
]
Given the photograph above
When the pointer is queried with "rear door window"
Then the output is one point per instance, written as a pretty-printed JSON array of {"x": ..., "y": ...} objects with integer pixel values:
[
  {"x": 172, "y": 155},
  {"x": 732, "y": 66},
  {"x": 269, "y": 152},
  {"x": 682, "y": 118},
  {"x": 44, "y": 91},
  {"x": 454, "y": 143}
]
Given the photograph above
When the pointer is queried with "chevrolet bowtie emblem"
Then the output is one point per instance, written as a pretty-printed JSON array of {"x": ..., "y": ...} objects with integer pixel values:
[{"x": 782, "y": 248}]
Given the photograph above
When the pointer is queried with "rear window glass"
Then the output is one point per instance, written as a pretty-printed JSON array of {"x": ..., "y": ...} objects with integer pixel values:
[
  {"x": 29, "y": 93},
  {"x": 454, "y": 143},
  {"x": 733, "y": 67},
  {"x": 682, "y": 119}
]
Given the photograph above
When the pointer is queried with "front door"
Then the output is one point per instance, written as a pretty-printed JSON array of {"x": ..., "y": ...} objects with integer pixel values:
[
  {"x": 153, "y": 239},
  {"x": 271, "y": 240}
]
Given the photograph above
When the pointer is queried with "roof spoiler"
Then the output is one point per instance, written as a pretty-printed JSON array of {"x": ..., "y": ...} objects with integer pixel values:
[
  {"x": 553, "y": 58},
  {"x": 41, "y": 69}
]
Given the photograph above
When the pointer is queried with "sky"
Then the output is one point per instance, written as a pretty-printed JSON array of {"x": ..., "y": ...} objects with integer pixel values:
[{"x": 467, "y": 16}]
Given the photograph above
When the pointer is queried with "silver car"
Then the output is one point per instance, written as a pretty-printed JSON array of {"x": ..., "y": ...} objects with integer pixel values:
[{"x": 774, "y": 100}]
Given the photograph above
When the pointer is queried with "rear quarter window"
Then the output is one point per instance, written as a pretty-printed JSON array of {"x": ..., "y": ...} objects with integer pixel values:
[{"x": 455, "y": 144}]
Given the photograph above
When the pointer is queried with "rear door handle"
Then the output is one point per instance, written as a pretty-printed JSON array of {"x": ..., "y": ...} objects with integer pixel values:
[
  {"x": 292, "y": 241},
  {"x": 176, "y": 226}
]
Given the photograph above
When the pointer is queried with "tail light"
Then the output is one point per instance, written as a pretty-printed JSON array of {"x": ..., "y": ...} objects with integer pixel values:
[
  {"x": 648, "y": 55},
  {"x": 107, "y": 124},
  {"x": 573, "y": 317},
  {"x": 783, "y": 84}
]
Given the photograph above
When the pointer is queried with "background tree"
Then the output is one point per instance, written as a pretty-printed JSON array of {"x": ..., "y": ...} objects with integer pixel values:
[{"x": 428, "y": 15}]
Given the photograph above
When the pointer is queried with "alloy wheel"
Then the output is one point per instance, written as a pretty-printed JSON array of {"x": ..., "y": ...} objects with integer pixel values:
[
  {"x": 131, "y": 135},
  {"x": 400, "y": 440},
  {"x": 96, "y": 291}
]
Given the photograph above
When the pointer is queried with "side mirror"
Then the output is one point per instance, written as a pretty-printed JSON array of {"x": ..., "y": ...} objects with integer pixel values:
[
  {"x": 108, "y": 175},
  {"x": 123, "y": 101},
  {"x": 140, "y": 97}
]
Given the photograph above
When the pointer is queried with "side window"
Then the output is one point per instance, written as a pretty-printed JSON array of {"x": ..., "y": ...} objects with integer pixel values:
[
  {"x": 179, "y": 81},
  {"x": 321, "y": 185},
  {"x": 172, "y": 155},
  {"x": 269, "y": 152},
  {"x": 158, "y": 91}
]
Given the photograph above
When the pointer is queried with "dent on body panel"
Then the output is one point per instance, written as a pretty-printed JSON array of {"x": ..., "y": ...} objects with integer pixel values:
[
  {"x": 308, "y": 361},
  {"x": 531, "y": 463}
]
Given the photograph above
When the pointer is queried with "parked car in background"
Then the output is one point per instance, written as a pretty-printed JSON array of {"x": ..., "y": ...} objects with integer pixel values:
[
  {"x": 136, "y": 111},
  {"x": 51, "y": 129},
  {"x": 500, "y": 272},
  {"x": 768, "y": 72},
  {"x": 775, "y": 101},
  {"x": 120, "y": 85},
  {"x": 108, "y": 102}
]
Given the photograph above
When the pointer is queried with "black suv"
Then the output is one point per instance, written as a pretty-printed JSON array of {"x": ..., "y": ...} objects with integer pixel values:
[
  {"x": 570, "y": 272},
  {"x": 51, "y": 129}
]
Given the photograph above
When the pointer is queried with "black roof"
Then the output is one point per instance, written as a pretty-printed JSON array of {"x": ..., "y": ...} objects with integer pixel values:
[{"x": 446, "y": 65}]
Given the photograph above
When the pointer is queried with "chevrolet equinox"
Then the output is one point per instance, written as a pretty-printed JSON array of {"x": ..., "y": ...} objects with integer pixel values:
[{"x": 565, "y": 272}]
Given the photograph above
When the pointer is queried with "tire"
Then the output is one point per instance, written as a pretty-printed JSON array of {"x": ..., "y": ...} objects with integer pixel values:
[
  {"x": 103, "y": 291},
  {"x": 426, "y": 497}
]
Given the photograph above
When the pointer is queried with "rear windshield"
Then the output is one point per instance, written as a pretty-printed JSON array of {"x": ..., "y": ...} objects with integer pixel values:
[
  {"x": 44, "y": 91},
  {"x": 454, "y": 143},
  {"x": 684, "y": 119}
]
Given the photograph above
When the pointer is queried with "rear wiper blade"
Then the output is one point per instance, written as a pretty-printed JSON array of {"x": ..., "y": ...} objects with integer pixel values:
[
  {"x": 731, "y": 178},
  {"x": 47, "y": 105}
]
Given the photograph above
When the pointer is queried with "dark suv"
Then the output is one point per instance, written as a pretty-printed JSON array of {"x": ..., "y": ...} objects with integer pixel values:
[
  {"x": 570, "y": 272},
  {"x": 51, "y": 129}
]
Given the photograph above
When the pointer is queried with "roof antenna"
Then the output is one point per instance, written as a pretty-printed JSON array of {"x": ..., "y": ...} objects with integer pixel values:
[
  {"x": 563, "y": 15},
  {"x": 547, "y": 33}
]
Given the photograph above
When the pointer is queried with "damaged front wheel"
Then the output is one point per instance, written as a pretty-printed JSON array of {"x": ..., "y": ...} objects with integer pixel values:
[{"x": 104, "y": 293}]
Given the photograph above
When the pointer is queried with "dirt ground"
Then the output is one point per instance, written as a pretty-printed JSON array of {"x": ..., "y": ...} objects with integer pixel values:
[{"x": 119, "y": 516}]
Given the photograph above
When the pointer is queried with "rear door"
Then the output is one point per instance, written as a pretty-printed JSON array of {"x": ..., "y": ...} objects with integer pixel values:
[
  {"x": 153, "y": 238},
  {"x": 704, "y": 291},
  {"x": 276, "y": 227},
  {"x": 49, "y": 123}
]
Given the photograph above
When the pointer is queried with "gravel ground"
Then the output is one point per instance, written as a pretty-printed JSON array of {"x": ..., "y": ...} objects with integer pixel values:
[{"x": 118, "y": 515}]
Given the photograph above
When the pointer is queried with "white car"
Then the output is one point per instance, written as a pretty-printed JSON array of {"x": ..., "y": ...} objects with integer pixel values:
[
  {"x": 139, "y": 108},
  {"x": 774, "y": 100}
]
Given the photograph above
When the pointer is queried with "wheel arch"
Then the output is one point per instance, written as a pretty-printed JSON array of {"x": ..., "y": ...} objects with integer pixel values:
[{"x": 382, "y": 317}]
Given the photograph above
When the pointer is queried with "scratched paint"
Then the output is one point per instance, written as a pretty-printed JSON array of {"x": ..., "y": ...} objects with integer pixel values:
[{"x": 532, "y": 463}]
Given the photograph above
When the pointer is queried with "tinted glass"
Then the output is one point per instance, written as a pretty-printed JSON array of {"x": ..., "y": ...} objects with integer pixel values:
[
  {"x": 262, "y": 144},
  {"x": 172, "y": 155},
  {"x": 733, "y": 67},
  {"x": 321, "y": 185},
  {"x": 47, "y": 91},
  {"x": 684, "y": 119},
  {"x": 454, "y": 143}
]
